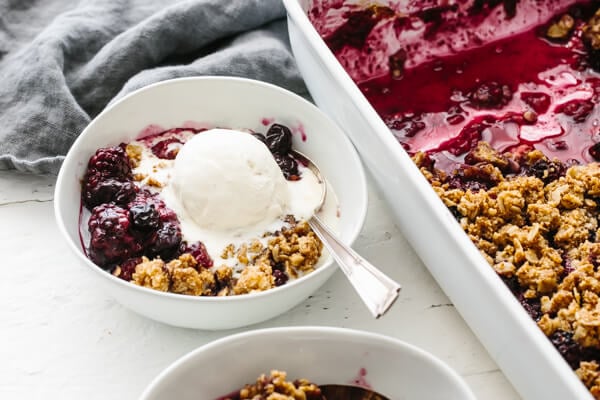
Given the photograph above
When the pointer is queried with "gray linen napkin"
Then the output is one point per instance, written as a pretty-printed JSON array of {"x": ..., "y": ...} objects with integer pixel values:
[{"x": 63, "y": 61}]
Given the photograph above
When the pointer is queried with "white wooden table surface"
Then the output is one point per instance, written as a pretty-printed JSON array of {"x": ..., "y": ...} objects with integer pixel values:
[{"x": 63, "y": 338}]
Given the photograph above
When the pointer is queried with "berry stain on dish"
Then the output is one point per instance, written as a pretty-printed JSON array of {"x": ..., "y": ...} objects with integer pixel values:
[
  {"x": 204, "y": 212},
  {"x": 500, "y": 112},
  {"x": 361, "y": 379}
]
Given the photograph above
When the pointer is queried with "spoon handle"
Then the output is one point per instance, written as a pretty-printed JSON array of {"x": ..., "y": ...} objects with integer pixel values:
[{"x": 376, "y": 289}]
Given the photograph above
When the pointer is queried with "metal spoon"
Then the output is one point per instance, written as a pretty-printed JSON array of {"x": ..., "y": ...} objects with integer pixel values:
[
  {"x": 376, "y": 289},
  {"x": 346, "y": 392}
]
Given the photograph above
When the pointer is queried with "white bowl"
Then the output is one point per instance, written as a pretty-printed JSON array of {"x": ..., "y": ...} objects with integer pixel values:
[
  {"x": 511, "y": 337},
  {"x": 218, "y": 101},
  {"x": 323, "y": 355}
]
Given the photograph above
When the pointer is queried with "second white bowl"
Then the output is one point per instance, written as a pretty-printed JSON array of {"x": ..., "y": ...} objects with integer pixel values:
[{"x": 323, "y": 355}]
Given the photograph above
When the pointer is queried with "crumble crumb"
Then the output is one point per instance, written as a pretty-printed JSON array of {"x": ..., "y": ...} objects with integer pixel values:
[
  {"x": 186, "y": 279},
  {"x": 135, "y": 154},
  {"x": 277, "y": 387},
  {"x": 255, "y": 278},
  {"x": 242, "y": 254},
  {"x": 562, "y": 28},
  {"x": 590, "y": 376},
  {"x": 223, "y": 275},
  {"x": 255, "y": 246},
  {"x": 151, "y": 181},
  {"x": 228, "y": 251},
  {"x": 152, "y": 274}
]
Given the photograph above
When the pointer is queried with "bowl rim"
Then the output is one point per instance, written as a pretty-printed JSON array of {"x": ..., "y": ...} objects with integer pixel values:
[
  {"x": 360, "y": 185},
  {"x": 304, "y": 332}
]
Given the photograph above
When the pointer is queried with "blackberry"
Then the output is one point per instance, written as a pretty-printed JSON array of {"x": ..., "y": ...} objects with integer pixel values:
[
  {"x": 532, "y": 306},
  {"x": 567, "y": 347},
  {"x": 278, "y": 266},
  {"x": 279, "y": 139},
  {"x": 513, "y": 285},
  {"x": 577, "y": 109},
  {"x": 280, "y": 277},
  {"x": 144, "y": 217},
  {"x": 165, "y": 241},
  {"x": 144, "y": 197},
  {"x": 108, "y": 178},
  {"x": 98, "y": 191},
  {"x": 157, "y": 223},
  {"x": 127, "y": 268},
  {"x": 110, "y": 162},
  {"x": 474, "y": 178},
  {"x": 199, "y": 252},
  {"x": 466, "y": 185},
  {"x": 111, "y": 239},
  {"x": 594, "y": 151},
  {"x": 546, "y": 170},
  {"x": 490, "y": 95},
  {"x": 288, "y": 166}
]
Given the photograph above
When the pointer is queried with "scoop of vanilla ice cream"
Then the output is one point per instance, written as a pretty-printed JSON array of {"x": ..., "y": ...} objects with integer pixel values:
[{"x": 228, "y": 180}]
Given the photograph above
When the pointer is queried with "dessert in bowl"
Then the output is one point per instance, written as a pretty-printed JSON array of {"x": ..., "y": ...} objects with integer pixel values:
[
  {"x": 309, "y": 356},
  {"x": 204, "y": 212},
  {"x": 496, "y": 104},
  {"x": 190, "y": 215}
]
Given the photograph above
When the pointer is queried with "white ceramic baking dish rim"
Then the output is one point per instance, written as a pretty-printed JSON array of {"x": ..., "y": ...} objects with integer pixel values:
[{"x": 485, "y": 274}]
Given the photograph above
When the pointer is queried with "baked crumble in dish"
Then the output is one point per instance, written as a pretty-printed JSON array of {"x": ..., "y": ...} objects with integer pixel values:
[
  {"x": 536, "y": 223},
  {"x": 276, "y": 386},
  {"x": 501, "y": 116},
  {"x": 130, "y": 227}
]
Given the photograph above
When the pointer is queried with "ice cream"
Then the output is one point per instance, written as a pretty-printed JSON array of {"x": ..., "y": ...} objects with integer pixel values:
[{"x": 227, "y": 180}]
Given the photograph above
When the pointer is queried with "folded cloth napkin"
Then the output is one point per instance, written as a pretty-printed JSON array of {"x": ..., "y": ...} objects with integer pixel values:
[{"x": 63, "y": 61}]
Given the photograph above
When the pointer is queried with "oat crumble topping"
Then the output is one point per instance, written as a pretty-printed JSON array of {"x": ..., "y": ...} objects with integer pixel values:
[
  {"x": 536, "y": 223},
  {"x": 135, "y": 154},
  {"x": 590, "y": 376},
  {"x": 152, "y": 274},
  {"x": 277, "y": 387},
  {"x": 293, "y": 251}
]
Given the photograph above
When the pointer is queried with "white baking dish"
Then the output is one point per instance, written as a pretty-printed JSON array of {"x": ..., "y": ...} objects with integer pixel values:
[{"x": 512, "y": 338}]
